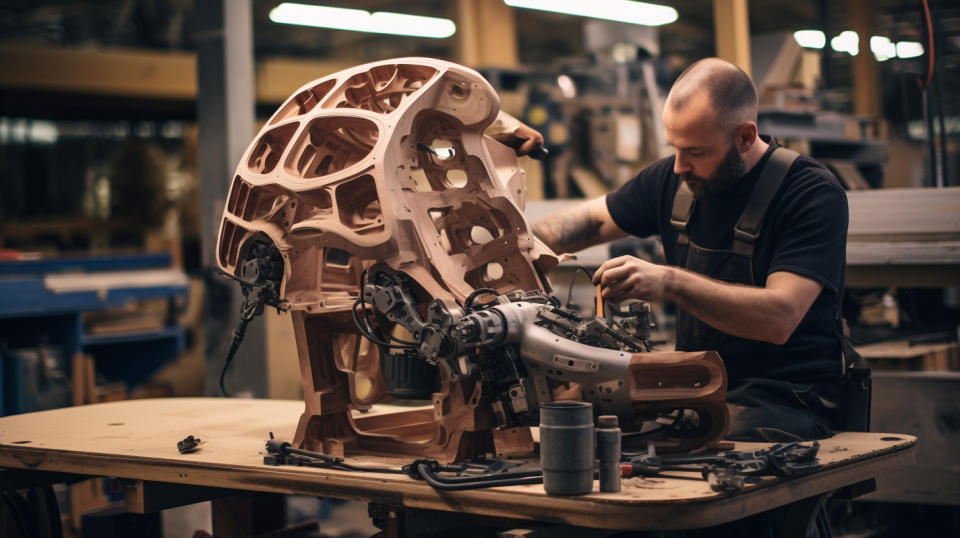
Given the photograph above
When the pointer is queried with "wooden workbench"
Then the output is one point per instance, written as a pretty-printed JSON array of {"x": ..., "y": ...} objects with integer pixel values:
[{"x": 137, "y": 440}]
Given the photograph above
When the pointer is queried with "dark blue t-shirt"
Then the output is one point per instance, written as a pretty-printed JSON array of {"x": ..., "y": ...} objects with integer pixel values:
[{"x": 804, "y": 232}]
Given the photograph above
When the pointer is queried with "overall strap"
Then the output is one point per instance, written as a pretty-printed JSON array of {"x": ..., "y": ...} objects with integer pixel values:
[
  {"x": 747, "y": 229},
  {"x": 682, "y": 208}
]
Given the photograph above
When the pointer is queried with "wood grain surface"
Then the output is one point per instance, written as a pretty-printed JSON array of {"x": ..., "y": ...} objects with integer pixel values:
[{"x": 137, "y": 439}]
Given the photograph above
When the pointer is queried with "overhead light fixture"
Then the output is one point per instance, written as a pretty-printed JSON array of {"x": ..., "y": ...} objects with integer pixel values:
[
  {"x": 610, "y": 10},
  {"x": 848, "y": 41},
  {"x": 810, "y": 39},
  {"x": 909, "y": 49},
  {"x": 359, "y": 20},
  {"x": 883, "y": 49},
  {"x": 567, "y": 88}
]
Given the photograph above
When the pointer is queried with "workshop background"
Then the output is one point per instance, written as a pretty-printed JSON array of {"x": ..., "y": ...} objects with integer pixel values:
[{"x": 121, "y": 122}]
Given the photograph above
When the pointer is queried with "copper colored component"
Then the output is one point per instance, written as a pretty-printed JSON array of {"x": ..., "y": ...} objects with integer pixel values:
[{"x": 599, "y": 301}]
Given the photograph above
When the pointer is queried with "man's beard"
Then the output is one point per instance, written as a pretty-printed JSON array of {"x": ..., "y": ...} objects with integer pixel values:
[{"x": 728, "y": 172}]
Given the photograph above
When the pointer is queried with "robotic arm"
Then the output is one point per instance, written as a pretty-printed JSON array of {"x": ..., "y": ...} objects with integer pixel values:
[{"x": 526, "y": 348}]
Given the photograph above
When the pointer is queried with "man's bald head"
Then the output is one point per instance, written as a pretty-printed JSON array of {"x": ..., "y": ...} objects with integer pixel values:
[{"x": 725, "y": 87}]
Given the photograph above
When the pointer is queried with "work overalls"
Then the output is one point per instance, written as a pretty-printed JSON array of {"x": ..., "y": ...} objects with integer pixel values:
[{"x": 761, "y": 409}]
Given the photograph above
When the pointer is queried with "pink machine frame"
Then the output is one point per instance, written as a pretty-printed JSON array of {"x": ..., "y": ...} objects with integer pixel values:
[
  {"x": 388, "y": 163},
  {"x": 338, "y": 180}
]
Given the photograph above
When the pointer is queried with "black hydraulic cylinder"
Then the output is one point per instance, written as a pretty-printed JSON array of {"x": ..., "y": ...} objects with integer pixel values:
[{"x": 567, "y": 447}]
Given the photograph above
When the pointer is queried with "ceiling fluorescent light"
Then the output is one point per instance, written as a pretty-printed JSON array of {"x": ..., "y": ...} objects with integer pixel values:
[
  {"x": 883, "y": 49},
  {"x": 909, "y": 49},
  {"x": 810, "y": 39},
  {"x": 848, "y": 41},
  {"x": 358, "y": 20},
  {"x": 610, "y": 10}
]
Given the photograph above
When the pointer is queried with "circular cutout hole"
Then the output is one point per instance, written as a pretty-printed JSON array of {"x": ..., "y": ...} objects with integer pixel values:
[
  {"x": 494, "y": 271},
  {"x": 480, "y": 235},
  {"x": 456, "y": 178}
]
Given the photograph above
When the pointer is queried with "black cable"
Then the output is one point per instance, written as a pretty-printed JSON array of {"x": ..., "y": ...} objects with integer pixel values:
[
  {"x": 440, "y": 483},
  {"x": 369, "y": 334},
  {"x": 468, "y": 303},
  {"x": 574, "y": 280},
  {"x": 337, "y": 463},
  {"x": 238, "y": 335},
  {"x": 425, "y": 470},
  {"x": 406, "y": 344},
  {"x": 486, "y": 477}
]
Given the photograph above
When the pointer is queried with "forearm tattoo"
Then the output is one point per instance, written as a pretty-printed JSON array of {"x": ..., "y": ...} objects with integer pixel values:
[{"x": 569, "y": 231}]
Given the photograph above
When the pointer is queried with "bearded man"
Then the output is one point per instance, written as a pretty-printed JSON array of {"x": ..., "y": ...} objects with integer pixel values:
[{"x": 755, "y": 241}]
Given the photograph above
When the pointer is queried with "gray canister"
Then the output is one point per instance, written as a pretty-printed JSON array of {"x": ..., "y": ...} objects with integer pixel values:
[
  {"x": 608, "y": 452},
  {"x": 567, "y": 447}
]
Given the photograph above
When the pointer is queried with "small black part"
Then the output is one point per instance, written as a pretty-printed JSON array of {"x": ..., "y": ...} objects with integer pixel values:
[
  {"x": 189, "y": 444},
  {"x": 540, "y": 153},
  {"x": 276, "y": 446}
]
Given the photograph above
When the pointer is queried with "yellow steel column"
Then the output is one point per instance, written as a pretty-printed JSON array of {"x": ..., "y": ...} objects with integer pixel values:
[
  {"x": 866, "y": 85},
  {"x": 486, "y": 34},
  {"x": 731, "y": 22}
]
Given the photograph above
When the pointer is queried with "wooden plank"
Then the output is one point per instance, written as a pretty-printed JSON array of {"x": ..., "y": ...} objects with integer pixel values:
[
  {"x": 901, "y": 214},
  {"x": 78, "y": 373},
  {"x": 866, "y": 83},
  {"x": 900, "y": 355},
  {"x": 731, "y": 23},
  {"x": 134, "y": 73},
  {"x": 137, "y": 439},
  {"x": 104, "y": 281},
  {"x": 142, "y": 73},
  {"x": 486, "y": 34},
  {"x": 903, "y": 253},
  {"x": 913, "y": 276}
]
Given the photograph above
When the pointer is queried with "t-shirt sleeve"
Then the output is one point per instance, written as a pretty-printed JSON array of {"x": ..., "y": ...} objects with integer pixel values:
[
  {"x": 813, "y": 236},
  {"x": 634, "y": 206}
]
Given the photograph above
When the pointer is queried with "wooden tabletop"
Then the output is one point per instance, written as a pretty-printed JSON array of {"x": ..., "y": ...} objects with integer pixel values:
[{"x": 137, "y": 439}]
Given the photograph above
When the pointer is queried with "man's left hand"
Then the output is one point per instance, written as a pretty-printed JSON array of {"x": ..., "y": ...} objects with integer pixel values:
[
  {"x": 530, "y": 137},
  {"x": 627, "y": 277}
]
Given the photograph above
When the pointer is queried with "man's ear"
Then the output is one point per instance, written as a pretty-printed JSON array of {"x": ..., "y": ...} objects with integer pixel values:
[{"x": 746, "y": 136}]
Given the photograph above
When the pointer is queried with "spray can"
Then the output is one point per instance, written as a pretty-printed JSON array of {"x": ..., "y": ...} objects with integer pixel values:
[{"x": 608, "y": 452}]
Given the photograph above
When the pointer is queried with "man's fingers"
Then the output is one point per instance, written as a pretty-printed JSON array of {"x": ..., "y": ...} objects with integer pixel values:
[
  {"x": 532, "y": 139},
  {"x": 615, "y": 274},
  {"x": 606, "y": 266},
  {"x": 527, "y": 147},
  {"x": 619, "y": 291}
]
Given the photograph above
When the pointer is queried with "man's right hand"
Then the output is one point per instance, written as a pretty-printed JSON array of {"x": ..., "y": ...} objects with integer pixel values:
[{"x": 627, "y": 277}]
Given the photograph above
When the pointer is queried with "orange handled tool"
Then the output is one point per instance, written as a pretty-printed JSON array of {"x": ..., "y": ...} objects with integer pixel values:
[{"x": 599, "y": 302}]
